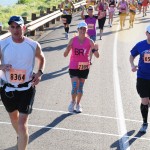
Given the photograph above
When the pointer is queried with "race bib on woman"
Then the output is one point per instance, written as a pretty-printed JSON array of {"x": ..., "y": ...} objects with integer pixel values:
[{"x": 83, "y": 65}]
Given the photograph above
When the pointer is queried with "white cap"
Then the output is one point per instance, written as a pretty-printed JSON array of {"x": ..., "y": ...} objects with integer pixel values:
[
  {"x": 148, "y": 29},
  {"x": 82, "y": 24}
]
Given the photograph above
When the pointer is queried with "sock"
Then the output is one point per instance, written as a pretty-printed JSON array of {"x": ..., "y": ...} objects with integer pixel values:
[{"x": 144, "y": 112}]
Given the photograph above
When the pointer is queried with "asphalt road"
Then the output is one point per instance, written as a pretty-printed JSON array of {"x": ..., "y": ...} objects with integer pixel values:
[{"x": 111, "y": 106}]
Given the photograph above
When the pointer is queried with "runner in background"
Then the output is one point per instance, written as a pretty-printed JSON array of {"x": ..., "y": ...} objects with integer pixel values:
[
  {"x": 80, "y": 47},
  {"x": 123, "y": 10},
  {"x": 90, "y": 3},
  {"x": 67, "y": 8},
  {"x": 132, "y": 11},
  {"x": 101, "y": 7},
  {"x": 111, "y": 9},
  {"x": 139, "y": 6},
  {"x": 90, "y": 19},
  {"x": 145, "y": 5}
]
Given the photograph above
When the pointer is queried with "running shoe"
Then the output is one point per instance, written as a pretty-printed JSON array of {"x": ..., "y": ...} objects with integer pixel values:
[
  {"x": 78, "y": 108},
  {"x": 144, "y": 128},
  {"x": 66, "y": 35},
  {"x": 71, "y": 106}
]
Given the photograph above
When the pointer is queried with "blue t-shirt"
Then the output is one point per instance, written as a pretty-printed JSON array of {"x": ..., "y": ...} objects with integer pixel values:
[{"x": 143, "y": 49}]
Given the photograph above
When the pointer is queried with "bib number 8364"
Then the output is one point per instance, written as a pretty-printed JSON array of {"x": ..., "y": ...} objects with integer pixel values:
[{"x": 17, "y": 75}]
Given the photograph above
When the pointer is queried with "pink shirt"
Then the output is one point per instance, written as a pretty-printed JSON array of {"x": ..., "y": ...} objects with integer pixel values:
[
  {"x": 80, "y": 52},
  {"x": 123, "y": 6}
]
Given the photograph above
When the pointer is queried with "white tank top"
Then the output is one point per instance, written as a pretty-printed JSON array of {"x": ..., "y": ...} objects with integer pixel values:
[{"x": 22, "y": 58}]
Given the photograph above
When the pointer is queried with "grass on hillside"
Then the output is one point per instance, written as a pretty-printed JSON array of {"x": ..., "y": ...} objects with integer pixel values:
[{"x": 26, "y": 8}]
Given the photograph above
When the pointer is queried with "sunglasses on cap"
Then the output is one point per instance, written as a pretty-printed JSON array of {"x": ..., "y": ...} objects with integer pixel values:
[{"x": 90, "y": 9}]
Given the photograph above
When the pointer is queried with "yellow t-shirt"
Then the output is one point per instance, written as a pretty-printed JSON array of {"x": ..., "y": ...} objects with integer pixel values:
[
  {"x": 67, "y": 8},
  {"x": 90, "y": 2},
  {"x": 132, "y": 6}
]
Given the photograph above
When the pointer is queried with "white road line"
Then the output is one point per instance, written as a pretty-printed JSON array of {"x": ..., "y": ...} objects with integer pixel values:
[
  {"x": 123, "y": 142},
  {"x": 81, "y": 131},
  {"x": 82, "y": 114}
]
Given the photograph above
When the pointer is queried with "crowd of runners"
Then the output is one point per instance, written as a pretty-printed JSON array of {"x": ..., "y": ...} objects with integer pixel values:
[{"x": 99, "y": 11}]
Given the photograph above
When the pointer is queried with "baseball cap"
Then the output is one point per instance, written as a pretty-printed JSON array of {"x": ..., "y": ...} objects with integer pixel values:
[
  {"x": 90, "y": 7},
  {"x": 148, "y": 29},
  {"x": 82, "y": 24},
  {"x": 18, "y": 19}
]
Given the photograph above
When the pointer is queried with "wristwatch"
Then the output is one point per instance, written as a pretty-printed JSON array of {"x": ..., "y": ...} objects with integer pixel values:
[{"x": 41, "y": 72}]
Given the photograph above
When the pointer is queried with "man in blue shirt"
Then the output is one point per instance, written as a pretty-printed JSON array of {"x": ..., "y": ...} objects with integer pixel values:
[{"x": 142, "y": 49}]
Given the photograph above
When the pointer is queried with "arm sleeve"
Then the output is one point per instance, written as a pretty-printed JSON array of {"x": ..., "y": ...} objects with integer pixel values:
[{"x": 134, "y": 51}]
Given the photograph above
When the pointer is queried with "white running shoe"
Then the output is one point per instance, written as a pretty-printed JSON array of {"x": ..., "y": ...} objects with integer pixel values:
[
  {"x": 71, "y": 106},
  {"x": 78, "y": 108},
  {"x": 144, "y": 128}
]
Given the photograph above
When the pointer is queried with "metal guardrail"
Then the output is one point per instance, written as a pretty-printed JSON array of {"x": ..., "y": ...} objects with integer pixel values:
[{"x": 33, "y": 25}]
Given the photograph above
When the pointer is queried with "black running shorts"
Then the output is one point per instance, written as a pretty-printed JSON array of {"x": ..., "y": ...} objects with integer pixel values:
[
  {"x": 18, "y": 100},
  {"x": 143, "y": 87},
  {"x": 68, "y": 17},
  {"x": 78, "y": 73}
]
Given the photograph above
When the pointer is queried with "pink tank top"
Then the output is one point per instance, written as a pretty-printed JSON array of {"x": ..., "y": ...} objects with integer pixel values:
[
  {"x": 80, "y": 52},
  {"x": 123, "y": 6}
]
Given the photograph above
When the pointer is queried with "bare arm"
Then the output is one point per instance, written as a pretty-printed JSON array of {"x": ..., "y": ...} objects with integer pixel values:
[
  {"x": 4, "y": 67},
  {"x": 82, "y": 14},
  {"x": 94, "y": 48},
  {"x": 41, "y": 65},
  {"x": 118, "y": 5},
  {"x": 133, "y": 66},
  {"x": 61, "y": 6},
  {"x": 68, "y": 48}
]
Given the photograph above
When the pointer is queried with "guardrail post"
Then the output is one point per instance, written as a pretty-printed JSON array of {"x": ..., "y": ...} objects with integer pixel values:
[
  {"x": 58, "y": 18},
  {"x": 42, "y": 13},
  {"x": 41, "y": 28},
  {"x": 48, "y": 10},
  {"x": 1, "y": 27},
  {"x": 54, "y": 20},
  {"x": 32, "y": 33},
  {"x": 33, "y": 17},
  {"x": 25, "y": 19}
]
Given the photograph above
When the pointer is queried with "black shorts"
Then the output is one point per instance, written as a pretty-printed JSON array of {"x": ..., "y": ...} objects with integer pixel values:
[
  {"x": 143, "y": 87},
  {"x": 101, "y": 23},
  {"x": 18, "y": 100},
  {"x": 68, "y": 17},
  {"x": 132, "y": 11},
  {"x": 78, "y": 73}
]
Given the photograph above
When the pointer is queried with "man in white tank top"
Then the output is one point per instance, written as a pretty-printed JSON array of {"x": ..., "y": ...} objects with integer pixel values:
[{"x": 17, "y": 54}]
